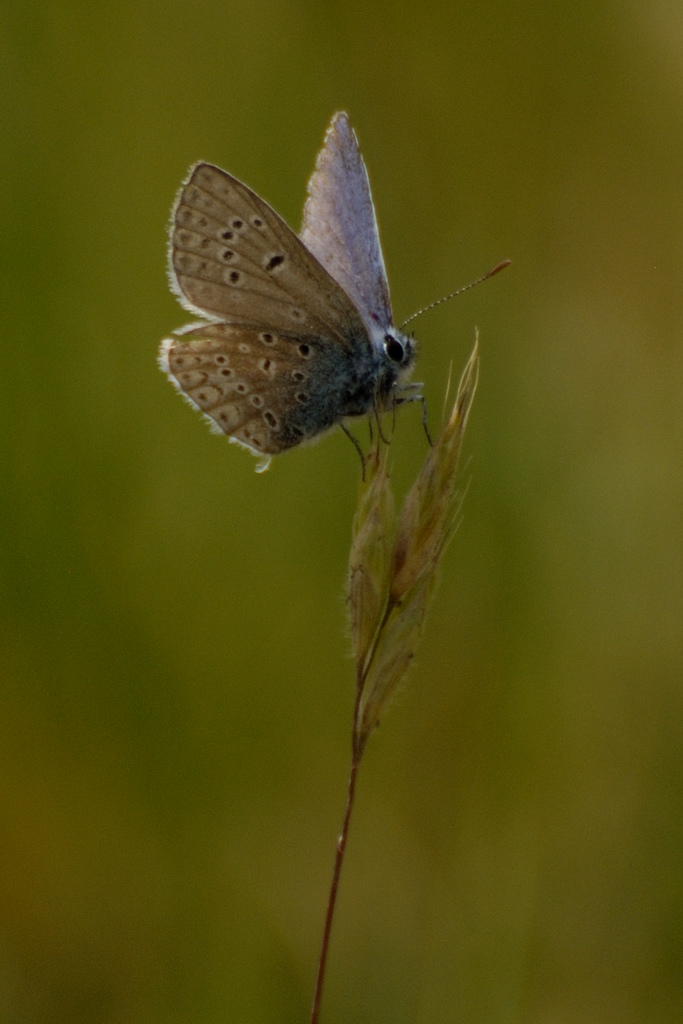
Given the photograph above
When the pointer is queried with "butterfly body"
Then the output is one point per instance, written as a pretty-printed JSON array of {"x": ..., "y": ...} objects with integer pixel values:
[{"x": 299, "y": 334}]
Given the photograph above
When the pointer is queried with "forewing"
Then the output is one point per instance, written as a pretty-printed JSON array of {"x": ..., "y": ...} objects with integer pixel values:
[
  {"x": 234, "y": 258},
  {"x": 340, "y": 226},
  {"x": 253, "y": 385}
]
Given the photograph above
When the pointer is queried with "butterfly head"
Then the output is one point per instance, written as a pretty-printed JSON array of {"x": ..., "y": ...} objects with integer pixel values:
[{"x": 397, "y": 356}]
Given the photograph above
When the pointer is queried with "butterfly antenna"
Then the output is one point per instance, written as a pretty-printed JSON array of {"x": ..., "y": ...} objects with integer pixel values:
[{"x": 446, "y": 298}]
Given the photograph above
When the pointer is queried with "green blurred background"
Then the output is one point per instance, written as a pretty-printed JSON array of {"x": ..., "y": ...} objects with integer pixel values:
[{"x": 175, "y": 677}]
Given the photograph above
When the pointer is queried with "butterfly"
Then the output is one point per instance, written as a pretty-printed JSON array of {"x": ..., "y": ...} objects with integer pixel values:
[{"x": 298, "y": 332}]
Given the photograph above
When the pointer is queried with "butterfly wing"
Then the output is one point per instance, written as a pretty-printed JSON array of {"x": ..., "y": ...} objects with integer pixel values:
[
  {"x": 265, "y": 389},
  {"x": 232, "y": 257},
  {"x": 340, "y": 226}
]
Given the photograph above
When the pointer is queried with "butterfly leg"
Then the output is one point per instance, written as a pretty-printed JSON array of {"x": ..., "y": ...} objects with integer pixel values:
[
  {"x": 378, "y": 420},
  {"x": 425, "y": 425},
  {"x": 411, "y": 394},
  {"x": 356, "y": 445}
]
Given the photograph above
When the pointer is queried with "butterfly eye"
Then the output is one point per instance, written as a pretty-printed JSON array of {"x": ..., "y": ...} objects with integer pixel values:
[{"x": 393, "y": 348}]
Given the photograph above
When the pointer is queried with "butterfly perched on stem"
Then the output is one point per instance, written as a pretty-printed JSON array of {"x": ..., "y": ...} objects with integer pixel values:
[{"x": 298, "y": 333}]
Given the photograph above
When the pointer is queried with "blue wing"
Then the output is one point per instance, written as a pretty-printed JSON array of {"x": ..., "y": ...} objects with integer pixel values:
[{"x": 340, "y": 226}]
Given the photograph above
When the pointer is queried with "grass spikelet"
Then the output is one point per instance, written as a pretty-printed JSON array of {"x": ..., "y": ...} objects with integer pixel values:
[
  {"x": 425, "y": 526},
  {"x": 370, "y": 556}
]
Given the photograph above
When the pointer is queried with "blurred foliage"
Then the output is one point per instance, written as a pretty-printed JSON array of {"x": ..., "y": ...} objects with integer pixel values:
[{"x": 176, "y": 688}]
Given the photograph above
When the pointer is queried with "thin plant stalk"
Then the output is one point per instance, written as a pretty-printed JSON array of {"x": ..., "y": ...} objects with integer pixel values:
[{"x": 336, "y": 874}]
